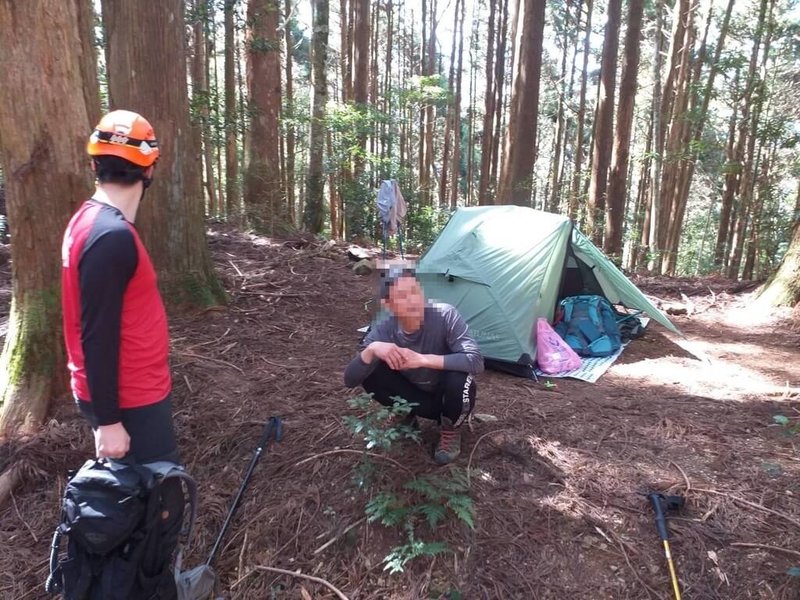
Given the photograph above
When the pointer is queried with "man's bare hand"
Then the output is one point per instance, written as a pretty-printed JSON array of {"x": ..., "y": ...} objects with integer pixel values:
[
  {"x": 389, "y": 353},
  {"x": 413, "y": 360},
  {"x": 111, "y": 441}
]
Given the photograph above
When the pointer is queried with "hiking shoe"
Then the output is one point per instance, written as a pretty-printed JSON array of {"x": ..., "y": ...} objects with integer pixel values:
[{"x": 449, "y": 446}]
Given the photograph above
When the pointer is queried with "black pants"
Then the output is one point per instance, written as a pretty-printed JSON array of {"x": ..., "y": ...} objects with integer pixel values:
[
  {"x": 454, "y": 398},
  {"x": 150, "y": 427}
]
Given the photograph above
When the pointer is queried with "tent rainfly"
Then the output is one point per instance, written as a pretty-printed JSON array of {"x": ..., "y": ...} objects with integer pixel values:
[{"x": 505, "y": 266}]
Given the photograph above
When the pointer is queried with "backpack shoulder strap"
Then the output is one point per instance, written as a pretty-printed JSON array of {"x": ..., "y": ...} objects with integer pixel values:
[
  {"x": 167, "y": 470},
  {"x": 566, "y": 305}
]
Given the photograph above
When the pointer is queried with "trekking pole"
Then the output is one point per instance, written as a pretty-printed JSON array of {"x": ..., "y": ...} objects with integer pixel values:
[
  {"x": 661, "y": 502},
  {"x": 273, "y": 428}
]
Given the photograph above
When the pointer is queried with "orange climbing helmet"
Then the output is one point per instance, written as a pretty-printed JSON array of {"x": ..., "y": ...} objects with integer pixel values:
[{"x": 127, "y": 135}]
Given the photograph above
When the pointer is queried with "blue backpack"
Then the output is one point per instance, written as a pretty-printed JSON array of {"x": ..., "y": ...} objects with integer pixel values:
[{"x": 589, "y": 325}]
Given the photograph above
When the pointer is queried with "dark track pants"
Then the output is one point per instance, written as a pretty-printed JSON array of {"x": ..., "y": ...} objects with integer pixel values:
[
  {"x": 150, "y": 427},
  {"x": 454, "y": 398}
]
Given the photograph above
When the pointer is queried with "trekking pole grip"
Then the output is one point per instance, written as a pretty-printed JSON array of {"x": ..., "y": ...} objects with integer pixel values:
[
  {"x": 274, "y": 425},
  {"x": 661, "y": 521}
]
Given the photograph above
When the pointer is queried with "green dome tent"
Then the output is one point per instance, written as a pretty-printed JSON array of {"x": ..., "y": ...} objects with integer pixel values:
[{"x": 505, "y": 266}]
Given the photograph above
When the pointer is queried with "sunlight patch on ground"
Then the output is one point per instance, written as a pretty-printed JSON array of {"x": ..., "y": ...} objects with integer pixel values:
[
  {"x": 747, "y": 320},
  {"x": 702, "y": 377}
]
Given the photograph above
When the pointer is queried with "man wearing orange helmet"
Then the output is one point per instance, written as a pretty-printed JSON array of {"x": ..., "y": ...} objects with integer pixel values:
[{"x": 115, "y": 325}]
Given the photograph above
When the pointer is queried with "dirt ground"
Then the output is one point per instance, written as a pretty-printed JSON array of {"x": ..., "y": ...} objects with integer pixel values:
[{"x": 557, "y": 480}]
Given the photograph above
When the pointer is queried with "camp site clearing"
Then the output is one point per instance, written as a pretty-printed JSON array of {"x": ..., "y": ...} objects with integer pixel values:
[{"x": 558, "y": 469}]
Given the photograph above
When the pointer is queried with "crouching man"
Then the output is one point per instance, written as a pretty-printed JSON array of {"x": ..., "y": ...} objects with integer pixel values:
[{"x": 423, "y": 353}]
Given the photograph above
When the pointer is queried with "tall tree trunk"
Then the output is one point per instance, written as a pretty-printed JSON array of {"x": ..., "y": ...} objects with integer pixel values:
[
  {"x": 201, "y": 97},
  {"x": 555, "y": 167},
  {"x": 473, "y": 85},
  {"x": 636, "y": 256},
  {"x": 488, "y": 114},
  {"x": 346, "y": 53},
  {"x": 575, "y": 189},
  {"x": 376, "y": 98},
  {"x": 617, "y": 188},
  {"x": 43, "y": 157},
  {"x": 290, "y": 107},
  {"x": 732, "y": 174},
  {"x": 674, "y": 198},
  {"x": 429, "y": 112},
  {"x": 751, "y": 109},
  {"x": 88, "y": 59},
  {"x": 387, "y": 139},
  {"x": 701, "y": 116},
  {"x": 263, "y": 197},
  {"x": 450, "y": 116},
  {"x": 566, "y": 165},
  {"x": 652, "y": 222},
  {"x": 500, "y": 87},
  {"x": 783, "y": 288},
  {"x": 456, "y": 177},
  {"x": 335, "y": 199},
  {"x": 314, "y": 216},
  {"x": 146, "y": 44},
  {"x": 516, "y": 179},
  {"x": 666, "y": 103},
  {"x": 604, "y": 123},
  {"x": 361, "y": 54},
  {"x": 676, "y": 101},
  {"x": 753, "y": 239},
  {"x": 232, "y": 209}
]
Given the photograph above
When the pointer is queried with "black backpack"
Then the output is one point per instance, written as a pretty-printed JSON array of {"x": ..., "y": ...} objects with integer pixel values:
[{"x": 124, "y": 523}]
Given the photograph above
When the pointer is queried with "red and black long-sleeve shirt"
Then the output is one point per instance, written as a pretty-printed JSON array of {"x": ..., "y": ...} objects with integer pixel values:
[{"x": 115, "y": 325}]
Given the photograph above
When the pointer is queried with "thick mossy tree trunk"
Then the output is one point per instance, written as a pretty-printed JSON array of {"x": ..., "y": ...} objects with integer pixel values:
[
  {"x": 147, "y": 73},
  {"x": 42, "y": 149},
  {"x": 783, "y": 288}
]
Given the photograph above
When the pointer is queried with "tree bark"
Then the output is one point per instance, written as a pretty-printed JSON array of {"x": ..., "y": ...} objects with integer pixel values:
[
  {"x": 555, "y": 167},
  {"x": 361, "y": 54},
  {"x": 450, "y": 116},
  {"x": 754, "y": 237},
  {"x": 456, "y": 177},
  {"x": 617, "y": 188},
  {"x": 314, "y": 216},
  {"x": 680, "y": 80},
  {"x": 201, "y": 97},
  {"x": 751, "y": 109},
  {"x": 232, "y": 209},
  {"x": 290, "y": 130},
  {"x": 44, "y": 161},
  {"x": 429, "y": 111},
  {"x": 699, "y": 120},
  {"x": 346, "y": 52},
  {"x": 577, "y": 175},
  {"x": 516, "y": 180},
  {"x": 604, "y": 123},
  {"x": 732, "y": 175},
  {"x": 783, "y": 288},
  {"x": 146, "y": 46},
  {"x": 472, "y": 103},
  {"x": 500, "y": 88},
  {"x": 652, "y": 222},
  {"x": 488, "y": 114},
  {"x": 263, "y": 197},
  {"x": 88, "y": 60}
]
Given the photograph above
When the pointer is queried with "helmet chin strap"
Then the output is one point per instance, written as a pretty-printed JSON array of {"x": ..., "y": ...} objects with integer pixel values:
[{"x": 146, "y": 181}]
